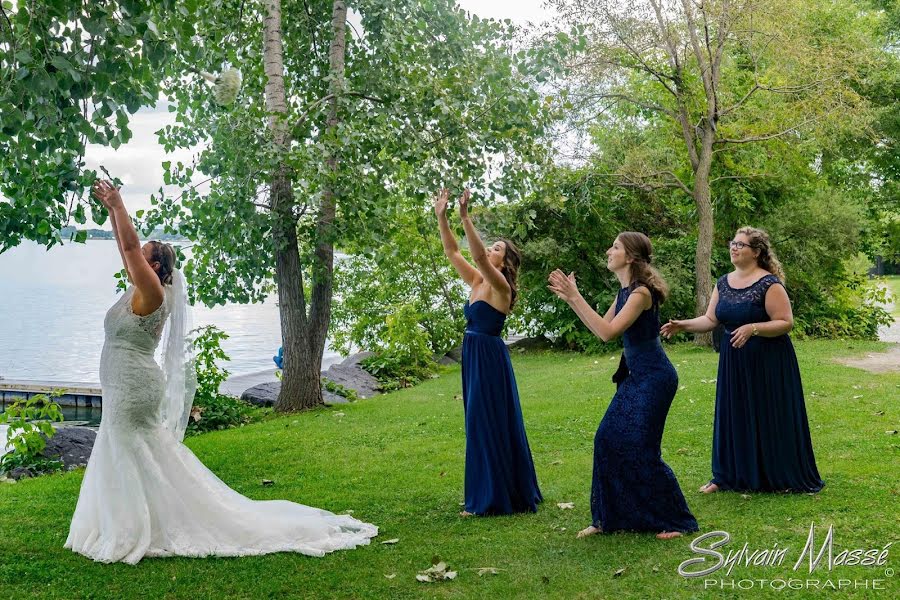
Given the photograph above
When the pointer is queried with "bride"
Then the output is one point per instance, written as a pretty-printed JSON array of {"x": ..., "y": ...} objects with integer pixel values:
[{"x": 144, "y": 493}]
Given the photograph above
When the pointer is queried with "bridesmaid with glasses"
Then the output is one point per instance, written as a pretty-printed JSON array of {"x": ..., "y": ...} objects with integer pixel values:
[{"x": 761, "y": 439}]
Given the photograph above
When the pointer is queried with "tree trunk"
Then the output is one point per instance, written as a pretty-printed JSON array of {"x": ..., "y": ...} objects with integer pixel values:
[
  {"x": 304, "y": 337},
  {"x": 300, "y": 384},
  {"x": 703, "y": 254}
]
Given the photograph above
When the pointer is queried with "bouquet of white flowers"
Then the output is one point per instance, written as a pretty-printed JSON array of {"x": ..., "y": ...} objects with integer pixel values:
[{"x": 225, "y": 86}]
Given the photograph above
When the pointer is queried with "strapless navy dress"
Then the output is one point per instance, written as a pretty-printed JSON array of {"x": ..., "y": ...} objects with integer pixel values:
[
  {"x": 632, "y": 488},
  {"x": 500, "y": 477}
]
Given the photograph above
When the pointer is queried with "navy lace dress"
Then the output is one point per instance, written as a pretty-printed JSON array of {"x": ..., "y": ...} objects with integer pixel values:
[
  {"x": 761, "y": 436},
  {"x": 633, "y": 489},
  {"x": 500, "y": 477}
]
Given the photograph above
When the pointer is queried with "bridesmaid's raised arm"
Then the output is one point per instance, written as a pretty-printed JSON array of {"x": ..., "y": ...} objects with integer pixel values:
[
  {"x": 491, "y": 273},
  {"x": 467, "y": 272}
]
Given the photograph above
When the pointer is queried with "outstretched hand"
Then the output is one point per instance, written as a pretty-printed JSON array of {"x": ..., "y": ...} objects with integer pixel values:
[
  {"x": 464, "y": 203},
  {"x": 671, "y": 328},
  {"x": 440, "y": 202},
  {"x": 107, "y": 193},
  {"x": 564, "y": 286}
]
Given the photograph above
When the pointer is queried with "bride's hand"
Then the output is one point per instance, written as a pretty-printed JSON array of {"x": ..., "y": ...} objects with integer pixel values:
[{"x": 107, "y": 193}]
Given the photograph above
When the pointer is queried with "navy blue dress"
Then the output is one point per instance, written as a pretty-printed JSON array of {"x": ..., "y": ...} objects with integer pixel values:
[
  {"x": 632, "y": 488},
  {"x": 500, "y": 477},
  {"x": 761, "y": 436}
]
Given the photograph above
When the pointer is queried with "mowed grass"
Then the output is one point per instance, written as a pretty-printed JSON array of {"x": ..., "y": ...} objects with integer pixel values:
[{"x": 397, "y": 461}]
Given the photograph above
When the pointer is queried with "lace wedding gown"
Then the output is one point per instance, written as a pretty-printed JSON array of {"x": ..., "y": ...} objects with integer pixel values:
[{"x": 145, "y": 494}]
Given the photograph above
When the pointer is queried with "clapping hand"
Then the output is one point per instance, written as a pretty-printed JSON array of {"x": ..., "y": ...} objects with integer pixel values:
[
  {"x": 564, "y": 286},
  {"x": 107, "y": 193},
  {"x": 440, "y": 203}
]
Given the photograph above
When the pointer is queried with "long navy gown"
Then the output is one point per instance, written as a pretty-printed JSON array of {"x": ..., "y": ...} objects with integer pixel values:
[
  {"x": 500, "y": 477},
  {"x": 761, "y": 436},
  {"x": 632, "y": 488}
]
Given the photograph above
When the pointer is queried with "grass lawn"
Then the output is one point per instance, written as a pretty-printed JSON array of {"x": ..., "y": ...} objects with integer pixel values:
[{"x": 397, "y": 461}]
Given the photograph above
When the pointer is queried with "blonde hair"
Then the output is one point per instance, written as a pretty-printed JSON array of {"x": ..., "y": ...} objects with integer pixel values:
[{"x": 759, "y": 240}]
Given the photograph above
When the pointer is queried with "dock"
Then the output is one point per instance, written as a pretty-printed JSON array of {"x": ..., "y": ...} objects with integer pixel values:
[{"x": 75, "y": 393}]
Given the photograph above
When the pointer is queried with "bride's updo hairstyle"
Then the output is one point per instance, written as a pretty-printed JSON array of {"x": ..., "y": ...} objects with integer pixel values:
[{"x": 164, "y": 254}]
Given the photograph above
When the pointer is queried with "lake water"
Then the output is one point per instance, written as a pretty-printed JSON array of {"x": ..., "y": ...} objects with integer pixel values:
[{"x": 52, "y": 305}]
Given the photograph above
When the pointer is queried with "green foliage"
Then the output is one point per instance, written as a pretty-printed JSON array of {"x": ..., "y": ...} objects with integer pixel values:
[
  {"x": 221, "y": 412},
  {"x": 403, "y": 290},
  {"x": 71, "y": 74},
  {"x": 29, "y": 425},
  {"x": 405, "y": 357},
  {"x": 395, "y": 371},
  {"x": 208, "y": 351},
  {"x": 434, "y": 97},
  {"x": 813, "y": 236},
  {"x": 212, "y": 410},
  {"x": 340, "y": 390}
]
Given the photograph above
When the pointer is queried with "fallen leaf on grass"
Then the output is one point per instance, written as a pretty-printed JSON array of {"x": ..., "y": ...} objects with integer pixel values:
[
  {"x": 391, "y": 576},
  {"x": 338, "y": 414},
  {"x": 565, "y": 505},
  {"x": 556, "y": 462},
  {"x": 879, "y": 413},
  {"x": 267, "y": 482},
  {"x": 746, "y": 496},
  {"x": 393, "y": 541},
  {"x": 857, "y": 397},
  {"x": 436, "y": 572},
  {"x": 620, "y": 572},
  {"x": 488, "y": 571},
  {"x": 655, "y": 568}
]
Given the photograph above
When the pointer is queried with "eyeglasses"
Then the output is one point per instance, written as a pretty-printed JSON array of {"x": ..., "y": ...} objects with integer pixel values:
[{"x": 738, "y": 245}]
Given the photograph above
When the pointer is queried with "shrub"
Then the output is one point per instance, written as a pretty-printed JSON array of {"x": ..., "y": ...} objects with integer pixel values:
[
  {"x": 213, "y": 411},
  {"x": 29, "y": 425}
]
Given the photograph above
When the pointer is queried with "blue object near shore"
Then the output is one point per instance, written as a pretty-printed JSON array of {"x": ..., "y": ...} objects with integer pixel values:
[{"x": 279, "y": 360}]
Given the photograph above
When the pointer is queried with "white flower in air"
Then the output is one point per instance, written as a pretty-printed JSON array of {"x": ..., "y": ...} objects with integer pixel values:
[{"x": 225, "y": 86}]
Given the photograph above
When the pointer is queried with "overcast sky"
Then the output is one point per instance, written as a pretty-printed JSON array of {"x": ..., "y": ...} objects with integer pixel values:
[{"x": 138, "y": 163}]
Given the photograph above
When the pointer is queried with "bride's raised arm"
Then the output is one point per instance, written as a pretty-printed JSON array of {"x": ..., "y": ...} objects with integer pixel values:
[{"x": 139, "y": 270}]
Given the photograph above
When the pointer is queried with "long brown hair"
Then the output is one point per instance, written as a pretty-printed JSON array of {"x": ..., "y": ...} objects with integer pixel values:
[
  {"x": 759, "y": 240},
  {"x": 511, "y": 261},
  {"x": 164, "y": 254},
  {"x": 639, "y": 249}
]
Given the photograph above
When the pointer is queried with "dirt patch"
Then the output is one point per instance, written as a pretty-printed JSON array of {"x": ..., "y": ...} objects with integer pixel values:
[{"x": 881, "y": 362}]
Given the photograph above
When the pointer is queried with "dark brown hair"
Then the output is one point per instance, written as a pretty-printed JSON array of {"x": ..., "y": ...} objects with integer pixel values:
[
  {"x": 759, "y": 240},
  {"x": 164, "y": 254},
  {"x": 510, "y": 269},
  {"x": 639, "y": 249}
]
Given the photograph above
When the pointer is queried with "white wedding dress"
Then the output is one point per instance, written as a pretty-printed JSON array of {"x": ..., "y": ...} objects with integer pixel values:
[{"x": 145, "y": 494}]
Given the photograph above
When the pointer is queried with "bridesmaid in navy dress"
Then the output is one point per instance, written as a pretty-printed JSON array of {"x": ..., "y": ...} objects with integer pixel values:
[
  {"x": 500, "y": 477},
  {"x": 632, "y": 488},
  {"x": 761, "y": 438}
]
